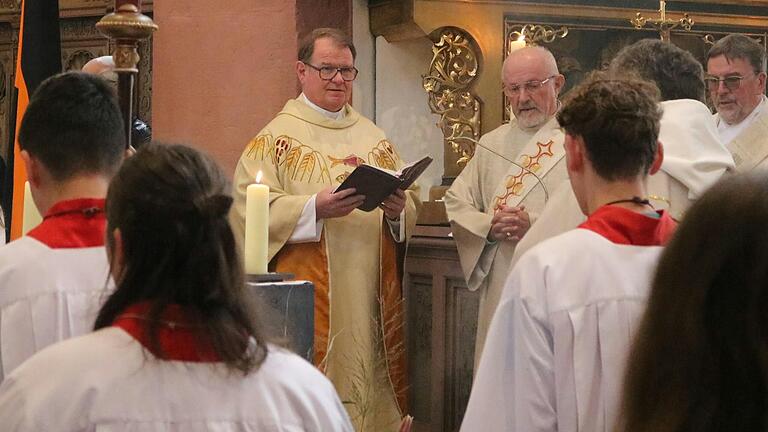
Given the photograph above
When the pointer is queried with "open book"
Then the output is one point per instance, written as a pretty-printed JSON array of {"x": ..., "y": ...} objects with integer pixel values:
[{"x": 378, "y": 183}]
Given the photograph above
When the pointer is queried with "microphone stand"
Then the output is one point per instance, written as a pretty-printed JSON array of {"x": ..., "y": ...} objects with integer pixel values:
[{"x": 494, "y": 152}]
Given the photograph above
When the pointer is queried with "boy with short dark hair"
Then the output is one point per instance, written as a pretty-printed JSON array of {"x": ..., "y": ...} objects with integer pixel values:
[
  {"x": 72, "y": 142},
  {"x": 554, "y": 357}
]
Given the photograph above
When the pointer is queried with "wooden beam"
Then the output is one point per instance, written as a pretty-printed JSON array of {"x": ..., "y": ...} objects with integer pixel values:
[{"x": 394, "y": 20}]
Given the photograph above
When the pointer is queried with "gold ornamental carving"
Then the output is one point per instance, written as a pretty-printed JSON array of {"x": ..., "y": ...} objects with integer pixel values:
[
  {"x": 536, "y": 34},
  {"x": 454, "y": 68}
]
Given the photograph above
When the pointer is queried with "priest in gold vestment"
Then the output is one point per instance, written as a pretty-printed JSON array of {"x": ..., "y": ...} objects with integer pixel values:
[
  {"x": 493, "y": 202},
  {"x": 318, "y": 235}
]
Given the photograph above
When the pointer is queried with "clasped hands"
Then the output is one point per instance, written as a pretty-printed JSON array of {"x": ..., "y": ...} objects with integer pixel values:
[
  {"x": 330, "y": 204},
  {"x": 509, "y": 223}
]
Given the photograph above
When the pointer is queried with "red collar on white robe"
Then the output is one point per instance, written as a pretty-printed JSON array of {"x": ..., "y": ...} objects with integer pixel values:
[
  {"x": 77, "y": 223},
  {"x": 180, "y": 335},
  {"x": 623, "y": 226}
]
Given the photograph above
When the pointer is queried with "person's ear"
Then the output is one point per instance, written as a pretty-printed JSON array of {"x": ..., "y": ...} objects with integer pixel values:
[
  {"x": 658, "y": 159},
  {"x": 761, "y": 81},
  {"x": 32, "y": 166},
  {"x": 559, "y": 83},
  {"x": 301, "y": 71},
  {"x": 116, "y": 254},
  {"x": 574, "y": 153}
]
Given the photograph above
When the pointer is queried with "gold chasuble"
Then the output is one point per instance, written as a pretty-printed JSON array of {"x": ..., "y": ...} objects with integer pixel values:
[{"x": 356, "y": 265}]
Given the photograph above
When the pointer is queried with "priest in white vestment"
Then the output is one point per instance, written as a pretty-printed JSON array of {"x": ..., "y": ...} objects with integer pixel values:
[
  {"x": 694, "y": 156},
  {"x": 555, "y": 353},
  {"x": 53, "y": 279},
  {"x": 735, "y": 79},
  {"x": 493, "y": 202}
]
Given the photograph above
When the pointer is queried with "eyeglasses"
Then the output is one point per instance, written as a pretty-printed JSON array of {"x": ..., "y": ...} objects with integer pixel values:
[
  {"x": 730, "y": 82},
  {"x": 329, "y": 72},
  {"x": 529, "y": 86}
]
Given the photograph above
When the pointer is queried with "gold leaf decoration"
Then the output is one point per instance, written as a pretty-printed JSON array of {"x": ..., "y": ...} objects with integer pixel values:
[{"x": 453, "y": 69}]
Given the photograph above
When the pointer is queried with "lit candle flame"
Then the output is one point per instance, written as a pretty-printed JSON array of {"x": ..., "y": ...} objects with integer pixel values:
[{"x": 258, "y": 177}]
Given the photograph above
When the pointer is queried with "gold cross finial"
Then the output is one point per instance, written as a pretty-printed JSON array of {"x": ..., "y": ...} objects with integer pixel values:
[{"x": 662, "y": 24}]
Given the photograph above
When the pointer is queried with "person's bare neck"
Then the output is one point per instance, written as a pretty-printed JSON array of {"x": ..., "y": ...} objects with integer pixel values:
[
  {"x": 602, "y": 192},
  {"x": 80, "y": 186}
]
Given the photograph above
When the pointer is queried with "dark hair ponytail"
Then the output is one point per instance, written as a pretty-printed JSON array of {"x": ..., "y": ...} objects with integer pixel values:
[{"x": 170, "y": 203}]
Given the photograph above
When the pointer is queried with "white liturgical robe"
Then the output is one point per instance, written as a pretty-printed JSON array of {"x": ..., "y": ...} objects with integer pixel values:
[
  {"x": 694, "y": 160},
  {"x": 555, "y": 353},
  {"x": 52, "y": 281},
  {"x": 748, "y": 140},
  {"x": 107, "y": 382}
]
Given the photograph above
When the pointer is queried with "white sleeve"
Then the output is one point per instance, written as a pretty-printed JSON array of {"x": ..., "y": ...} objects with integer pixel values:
[
  {"x": 514, "y": 388},
  {"x": 308, "y": 228},
  {"x": 397, "y": 227}
]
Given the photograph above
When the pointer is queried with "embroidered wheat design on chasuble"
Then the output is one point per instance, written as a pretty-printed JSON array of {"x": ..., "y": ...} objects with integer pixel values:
[{"x": 298, "y": 161}]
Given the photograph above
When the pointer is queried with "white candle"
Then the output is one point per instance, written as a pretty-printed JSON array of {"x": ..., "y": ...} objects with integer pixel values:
[
  {"x": 256, "y": 227},
  {"x": 517, "y": 44},
  {"x": 32, "y": 216}
]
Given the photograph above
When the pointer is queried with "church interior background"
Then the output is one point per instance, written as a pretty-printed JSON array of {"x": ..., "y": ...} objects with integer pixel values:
[{"x": 429, "y": 76}]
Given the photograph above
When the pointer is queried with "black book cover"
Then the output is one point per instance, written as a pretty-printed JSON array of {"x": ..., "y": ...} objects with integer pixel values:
[{"x": 377, "y": 184}]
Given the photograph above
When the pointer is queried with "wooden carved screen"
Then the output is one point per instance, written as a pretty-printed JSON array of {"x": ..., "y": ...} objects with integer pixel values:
[{"x": 7, "y": 68}]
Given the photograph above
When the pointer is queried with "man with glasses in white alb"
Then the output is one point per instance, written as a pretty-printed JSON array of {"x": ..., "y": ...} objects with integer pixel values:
[
  {"x": 505, "y": 185},
  {"x": 736, "y": 84},
  {"x": 317, "y": 234}
]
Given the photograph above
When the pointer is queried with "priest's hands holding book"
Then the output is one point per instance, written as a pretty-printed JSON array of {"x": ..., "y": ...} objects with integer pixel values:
[
  {"x": 393, "y": 205},
  {"x": 330, "y": 204},
  {"x": 509, "y": 223}
]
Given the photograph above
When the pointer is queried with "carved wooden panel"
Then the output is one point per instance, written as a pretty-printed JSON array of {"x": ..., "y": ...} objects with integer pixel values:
[
  {"x": 7, "y": 70},
  {"x": 9, "y": 6},
  {"x": 80, "y": 42},
  {"x": 143, "y": 101},
  {"x": 419, "y": 313},
  {"x": 442, "y": 321},
  {"x": 461, "y": 328}
]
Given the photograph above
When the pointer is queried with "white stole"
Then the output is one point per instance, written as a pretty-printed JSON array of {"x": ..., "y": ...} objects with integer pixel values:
[{"x": 539, "y": 155}]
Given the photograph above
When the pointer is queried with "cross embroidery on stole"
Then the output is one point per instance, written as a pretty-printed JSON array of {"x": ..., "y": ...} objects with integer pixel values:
[{"x": 532, "y": 164}]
